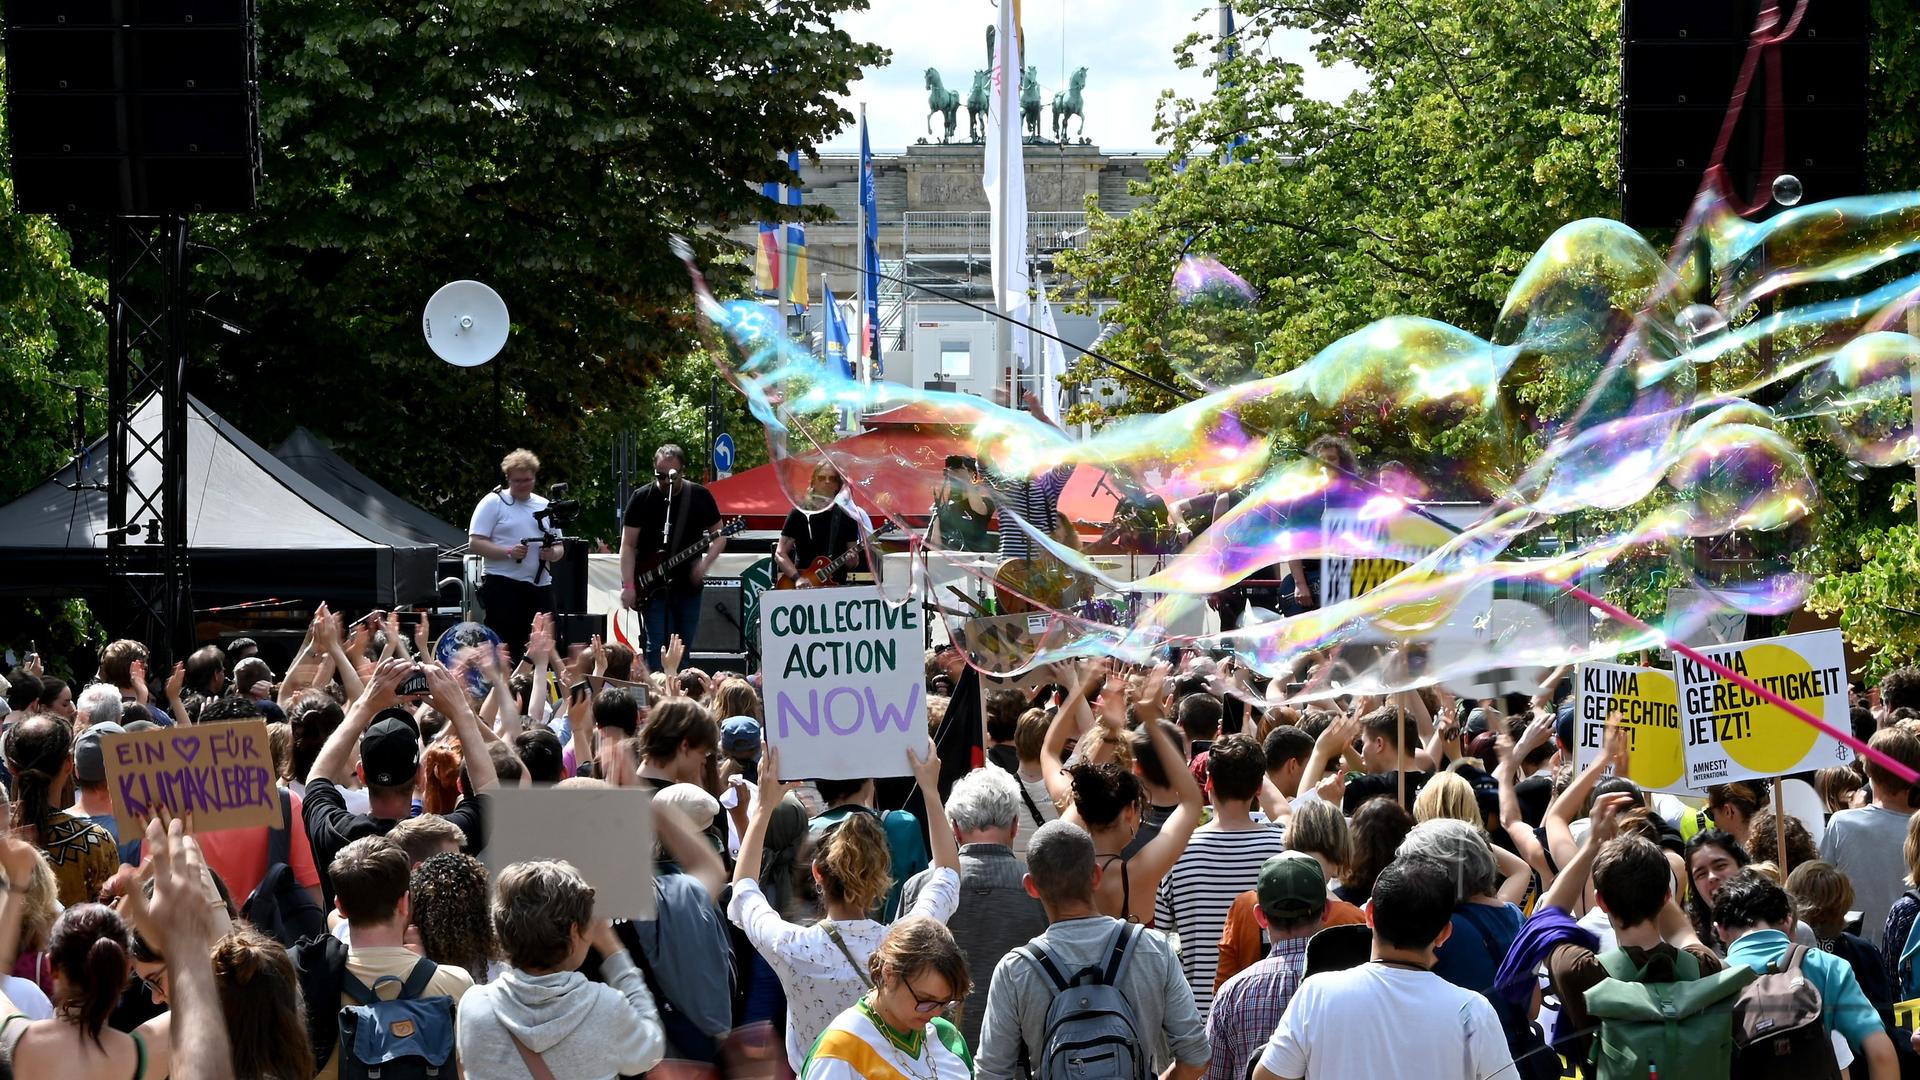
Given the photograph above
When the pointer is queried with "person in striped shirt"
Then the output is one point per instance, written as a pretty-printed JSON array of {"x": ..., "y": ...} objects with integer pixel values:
[
  {"x": 1222, "y": 861},
  {"x": 898, "y": 1030}
]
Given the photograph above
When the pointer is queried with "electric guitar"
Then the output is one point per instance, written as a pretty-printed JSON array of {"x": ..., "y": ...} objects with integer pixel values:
[
  {"x": 652, "y": 574},
  {"x": 821, "y": 571}
]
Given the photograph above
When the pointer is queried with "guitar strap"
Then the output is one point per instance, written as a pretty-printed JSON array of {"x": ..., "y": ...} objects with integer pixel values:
[{"x": 675, "y": 529}]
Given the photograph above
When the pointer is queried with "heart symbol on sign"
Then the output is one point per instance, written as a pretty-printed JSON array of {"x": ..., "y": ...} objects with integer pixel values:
[{"x": 186, "y": 748}]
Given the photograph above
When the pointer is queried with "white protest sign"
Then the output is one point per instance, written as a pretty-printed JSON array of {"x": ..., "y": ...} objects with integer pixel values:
[
  {"x": 1643, "y": 700},
  {"x": 1732, "y": 734},
  {"x": 606, "y": 833},
  {"x": 844, "y": 682}
]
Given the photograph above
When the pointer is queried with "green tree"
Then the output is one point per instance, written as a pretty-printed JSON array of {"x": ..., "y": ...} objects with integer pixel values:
[
  {"x": 1483, "y": 128},
  {"x": 546, "y": 149}
]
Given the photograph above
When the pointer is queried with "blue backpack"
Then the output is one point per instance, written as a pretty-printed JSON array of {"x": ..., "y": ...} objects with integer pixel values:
[
  {"x": 1909, "y": 985},
  {"x": 1091, "y": 1032},
  {"x": 408, "y": 1038}
]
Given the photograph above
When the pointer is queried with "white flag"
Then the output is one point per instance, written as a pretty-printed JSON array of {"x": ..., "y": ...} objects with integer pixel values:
[
  {"x": 1053, "y": 355},
  {"x": 1007, "y": 204}
]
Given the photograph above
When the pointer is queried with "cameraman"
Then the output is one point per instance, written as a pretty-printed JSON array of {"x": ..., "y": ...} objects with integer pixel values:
[{"x": 507, "y": 529}]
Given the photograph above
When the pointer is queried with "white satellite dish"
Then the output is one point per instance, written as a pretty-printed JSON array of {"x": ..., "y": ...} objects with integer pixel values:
[{"x": 465, "y": 323}]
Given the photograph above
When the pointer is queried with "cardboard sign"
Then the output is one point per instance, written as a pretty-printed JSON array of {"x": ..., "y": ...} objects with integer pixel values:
[
  {"x": 1731, "y": 734},
  {"x": 606, "y": 833},
  {"x": 222, "y": 774},
  {"x": 1644, "y": 700},
  {"x": 844, "y": 682}
]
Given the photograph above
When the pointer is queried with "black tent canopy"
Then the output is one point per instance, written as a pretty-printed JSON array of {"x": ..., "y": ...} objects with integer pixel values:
[
  {"x": 256, "y": 529},
  {"x": 317, "y": 461}
]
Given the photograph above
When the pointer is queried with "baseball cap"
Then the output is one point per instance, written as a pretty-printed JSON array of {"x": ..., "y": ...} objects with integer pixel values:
[
  {"x": 89, "y": 761},
  {"x": 1291, "y": 886},
  {"x": 390, "y": 749},
  {"x": 140, "y": 725},
  {"x": 738, "y": 734}
]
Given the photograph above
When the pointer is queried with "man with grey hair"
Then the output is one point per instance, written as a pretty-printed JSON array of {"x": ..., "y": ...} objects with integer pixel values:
[
  {"x": 1061, "y": 874},
  {"x": 543, "y": 1010},
  {"x": 996, "y": 915},
  {"x": 99, "y": 704}
]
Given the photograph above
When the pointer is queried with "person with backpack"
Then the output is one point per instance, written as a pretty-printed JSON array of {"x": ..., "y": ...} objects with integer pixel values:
[
  {"x": 1775, "y": 1030},
  {"x": 823, "y": 967},
  {"x": 543, "y": 1019},
  {"x": 1392, "y": 1016},
  {"x": 1130, "y": 1014},
  {"x": 1633, "y": 884},
  {"x": 900, "y": 1028},
  {"x": 373, "y": 983}
]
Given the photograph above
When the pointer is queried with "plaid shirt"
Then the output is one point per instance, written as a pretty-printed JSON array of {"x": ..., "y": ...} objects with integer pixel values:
[{"x": 1249, "y": 1006}]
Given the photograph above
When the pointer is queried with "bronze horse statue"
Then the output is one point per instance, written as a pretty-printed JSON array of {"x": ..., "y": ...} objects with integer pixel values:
[
  {"x": 977, "y": 106},
  {"x": 1067, "y": 105},
  {"x": 943, "y": 101},
  {"x": 1030, "y": 102}
]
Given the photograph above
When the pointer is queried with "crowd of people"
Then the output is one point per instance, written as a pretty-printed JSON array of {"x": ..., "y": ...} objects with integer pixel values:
[{"x": 1143, "y": 871}]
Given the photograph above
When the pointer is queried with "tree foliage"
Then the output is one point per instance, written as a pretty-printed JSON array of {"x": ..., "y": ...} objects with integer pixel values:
[
  {"x": 546, "y": 149},
  {"x": 1482, "y": 129}
]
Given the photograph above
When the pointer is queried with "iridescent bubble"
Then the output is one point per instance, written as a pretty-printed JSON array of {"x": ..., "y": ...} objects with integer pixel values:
[
  {"x": 1864, "y": 398},
  {"x": 1787, "y": 190},
  {"x": 1203, "y": 279},
  {"x": 1701, "y": 321}
]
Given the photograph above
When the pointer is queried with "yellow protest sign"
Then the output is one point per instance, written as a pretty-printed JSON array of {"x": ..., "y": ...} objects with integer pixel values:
[
  {"x": 1731, "y": 733},
  {"x": 1645, "y": 702}
]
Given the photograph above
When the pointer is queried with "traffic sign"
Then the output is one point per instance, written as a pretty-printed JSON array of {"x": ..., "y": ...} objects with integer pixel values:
[{"x": 723, "y": 455}]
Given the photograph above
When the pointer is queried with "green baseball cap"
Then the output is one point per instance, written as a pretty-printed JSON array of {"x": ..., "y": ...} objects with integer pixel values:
[{"x": 1292, "y": 886}]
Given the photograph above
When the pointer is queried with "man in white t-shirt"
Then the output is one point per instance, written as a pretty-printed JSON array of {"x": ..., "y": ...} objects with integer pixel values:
[
  {"x": 1392, "y": 1016},
  {"x": 506, "y": 529}
]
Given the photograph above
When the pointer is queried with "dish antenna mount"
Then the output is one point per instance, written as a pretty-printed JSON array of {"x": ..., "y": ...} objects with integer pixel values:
[{"x": 466, "y": 323}]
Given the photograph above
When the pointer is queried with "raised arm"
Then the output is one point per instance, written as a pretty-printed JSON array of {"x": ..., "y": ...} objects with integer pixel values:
[
  {"x": 1160, "y": 853},
  {"x": 690, "y": 849},
  {"x": 1327, "y": 749},
  {"x": 1569, "y": 890},
  {"x": 746, "y": 866},
  {"x": 335, "y": 759},
  {"x": 926, "y": 772},
  {"x": 451, "y": 699},
  {"x": 1565, "y": 808},
  {"x": 1524, "y": 840},
  {"x": 184, "y": 920},
  {"x": 1053, "y": 748}
]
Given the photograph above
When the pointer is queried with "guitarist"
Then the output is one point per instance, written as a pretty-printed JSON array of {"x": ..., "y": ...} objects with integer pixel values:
[
  {"x": 824, "y": 530},
  {"x": 663, "y": 519}
]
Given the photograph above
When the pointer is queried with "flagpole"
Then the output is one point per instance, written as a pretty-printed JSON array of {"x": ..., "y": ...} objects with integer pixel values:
[
  {"x": 860, "y": 238},
  {"x": 1003, "y": 337}
]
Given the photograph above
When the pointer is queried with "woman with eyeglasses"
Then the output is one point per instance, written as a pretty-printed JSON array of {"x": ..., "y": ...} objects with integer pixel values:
[
  {"x": 824, "y": 967},
  {"x": 915, "y": 980}
]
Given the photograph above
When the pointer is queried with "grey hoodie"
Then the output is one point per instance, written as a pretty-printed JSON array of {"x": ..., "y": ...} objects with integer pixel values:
[{"x": 584, "y": 1030}]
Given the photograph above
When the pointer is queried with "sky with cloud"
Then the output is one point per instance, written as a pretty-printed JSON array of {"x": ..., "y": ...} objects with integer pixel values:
[{"x": 1126, "y": 45}]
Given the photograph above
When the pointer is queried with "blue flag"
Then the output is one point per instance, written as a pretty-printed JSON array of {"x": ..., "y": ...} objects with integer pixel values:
[
  {"x": 835, "y": 342},
  {"x": 870, "y": 303},
  {"x": 796, "y": 281}
]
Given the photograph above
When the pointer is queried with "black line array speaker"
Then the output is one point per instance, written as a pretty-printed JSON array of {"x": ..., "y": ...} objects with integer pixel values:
[
  {"x": 133, "y": 106},
  {"x": 1679, "y": 64}
]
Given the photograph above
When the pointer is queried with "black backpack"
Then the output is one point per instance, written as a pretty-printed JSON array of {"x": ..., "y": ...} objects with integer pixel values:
[
  {"x": 279, "y": 907},
  {"x": 1777, "y": 1033}
]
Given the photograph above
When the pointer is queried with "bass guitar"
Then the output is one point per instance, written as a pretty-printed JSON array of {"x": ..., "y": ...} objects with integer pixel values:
[
  {"x": 821, "y": 571},
  {"x": 652, "y": 574}
]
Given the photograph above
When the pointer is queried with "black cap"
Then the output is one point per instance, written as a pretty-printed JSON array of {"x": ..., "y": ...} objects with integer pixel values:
[{"x": 390, "y": 750}]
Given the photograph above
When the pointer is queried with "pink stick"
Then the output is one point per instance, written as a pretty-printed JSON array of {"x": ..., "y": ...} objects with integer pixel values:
[{"x": 1756, "y": 689}]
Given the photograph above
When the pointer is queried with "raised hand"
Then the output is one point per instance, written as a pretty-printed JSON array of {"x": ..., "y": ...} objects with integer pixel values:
[
  {"x": 926, "y": 770},
  {"x": 670, "y": 658},
  {"x": 177, "y": 681}
]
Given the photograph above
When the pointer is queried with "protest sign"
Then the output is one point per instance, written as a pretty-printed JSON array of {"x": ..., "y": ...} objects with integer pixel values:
[
  {"x": 606, "y": 833},
  {"x": 1730, "y": 733},
  {"x": 222, "y": 774},
  {"x": 1377, "y": 543},
  {"x": 844, "y": 682},
  {"x": 1642, "y": 700}
]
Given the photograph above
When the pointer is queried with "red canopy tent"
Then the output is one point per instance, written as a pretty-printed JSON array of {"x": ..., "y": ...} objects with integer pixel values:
[{"x": 913, "y": 435}]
